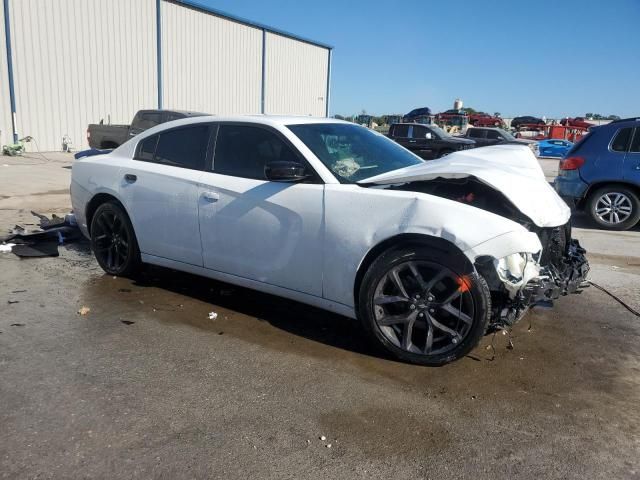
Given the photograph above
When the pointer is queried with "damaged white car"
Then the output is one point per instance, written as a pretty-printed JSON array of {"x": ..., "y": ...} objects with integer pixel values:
[{"x": 429, "y": 256}]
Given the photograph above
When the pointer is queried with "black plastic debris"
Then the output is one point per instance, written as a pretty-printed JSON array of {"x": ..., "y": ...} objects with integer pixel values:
[
  {"x": 44, "y": 242},
  {"x": 127, "y": 322}
]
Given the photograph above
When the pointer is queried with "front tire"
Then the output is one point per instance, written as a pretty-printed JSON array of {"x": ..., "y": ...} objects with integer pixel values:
[
  {"x": 113, "y": 240},
  {"x": 420, "y": 307},
  {"x": 614, "y": 207}
]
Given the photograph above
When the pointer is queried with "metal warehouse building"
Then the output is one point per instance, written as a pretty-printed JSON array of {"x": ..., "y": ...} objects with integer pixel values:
[{"x": 67, "y": 63}]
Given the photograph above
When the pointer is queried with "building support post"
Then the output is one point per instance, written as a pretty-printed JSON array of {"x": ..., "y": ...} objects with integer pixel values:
[
  {"x": 12, "y": 93},
  {"x": 328, "y": 97},
  {"x": 159, "y": 50},
  {"x": 264, "y": 70}
]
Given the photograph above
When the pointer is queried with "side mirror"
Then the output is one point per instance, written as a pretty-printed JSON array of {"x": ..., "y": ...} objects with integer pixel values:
[
  {"x": 428, "y": 136},
  {"x": 283, "y": 171}
]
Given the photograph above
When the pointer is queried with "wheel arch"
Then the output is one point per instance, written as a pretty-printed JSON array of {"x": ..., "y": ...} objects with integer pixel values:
[
  {"x": 402, "y": 240},
  {"x": 606, "y": 183},
  {"x": 97, "y": 200}
]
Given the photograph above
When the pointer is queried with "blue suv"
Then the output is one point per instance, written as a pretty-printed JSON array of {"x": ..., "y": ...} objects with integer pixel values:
[{"x": 601, "y": 174}]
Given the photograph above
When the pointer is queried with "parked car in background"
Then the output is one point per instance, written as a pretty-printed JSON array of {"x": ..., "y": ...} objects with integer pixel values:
[
  {"x": 601, "y": 174},
  {"x": 105, "y": 136},
  {"x": 576, "y": 122},
  {"x": 428, "y": 256},
  {"x": 484, "y": 136},
  {"x": 526, "y": 120},
  {"x": 482, "y": 119},
  {"x": 552, "y": 147},
  {"x": 419, "y": 115},
  {"x": 427, "y": 141}
]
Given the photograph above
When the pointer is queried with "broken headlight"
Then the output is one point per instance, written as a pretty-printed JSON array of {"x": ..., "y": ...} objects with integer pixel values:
[{"x": 516, "y": 270}]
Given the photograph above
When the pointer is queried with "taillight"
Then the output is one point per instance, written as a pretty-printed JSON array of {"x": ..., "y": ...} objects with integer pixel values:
[{"x": 571, "y": 163}]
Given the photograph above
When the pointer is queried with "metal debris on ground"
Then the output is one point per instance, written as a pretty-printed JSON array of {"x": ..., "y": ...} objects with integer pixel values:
[
  {"x": 213, "y": 315},
  {"x": 84, "y": 310}
]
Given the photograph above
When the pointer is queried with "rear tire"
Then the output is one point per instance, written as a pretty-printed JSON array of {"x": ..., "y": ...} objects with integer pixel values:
[
  {"x": 416, "y": 304},
  {"x": 614, "y": 207},
  {"x": 113, "y": 240}
]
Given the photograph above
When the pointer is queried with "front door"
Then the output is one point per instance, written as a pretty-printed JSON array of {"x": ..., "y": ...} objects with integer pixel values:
[
  {"x": 271, "y": 232},
  {"x": 160, "y": 191},
  {"x": 423, "y": 142}
]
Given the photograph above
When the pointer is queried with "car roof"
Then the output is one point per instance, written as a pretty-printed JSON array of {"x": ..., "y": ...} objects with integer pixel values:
[{"x": 271, "y": 120}]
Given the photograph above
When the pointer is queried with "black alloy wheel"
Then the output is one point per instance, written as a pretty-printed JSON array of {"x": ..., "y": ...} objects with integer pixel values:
[
  {"x": 113, "y": 240},
  {"x": 420, "y": 309}
]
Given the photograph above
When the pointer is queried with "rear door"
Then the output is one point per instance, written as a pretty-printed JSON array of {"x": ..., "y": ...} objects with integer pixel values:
[
  {"x": 400, "y": 134},
  {"x": 631, "y": 167},
  {"x": 160, "y": 191}
]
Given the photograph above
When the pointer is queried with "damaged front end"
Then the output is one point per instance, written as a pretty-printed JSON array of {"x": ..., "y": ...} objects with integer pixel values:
[{"x": 521, "y": 281}]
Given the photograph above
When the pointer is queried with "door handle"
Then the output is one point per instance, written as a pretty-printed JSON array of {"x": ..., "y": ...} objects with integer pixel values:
[
  {"x": 130, "y": 178},
  {"x": 211, "y": 196}
]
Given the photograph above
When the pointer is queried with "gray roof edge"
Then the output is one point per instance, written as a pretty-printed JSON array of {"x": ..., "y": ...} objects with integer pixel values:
[{"x": 219, "y": 13}]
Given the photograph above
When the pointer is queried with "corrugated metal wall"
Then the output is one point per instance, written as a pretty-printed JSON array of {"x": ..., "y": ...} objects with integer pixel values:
[
  {"x": 209, "y": 64},
  {"x": 296, "y": 77},
  {"x": 5, "y": 107},
  {"x": 78, "y": 61}
]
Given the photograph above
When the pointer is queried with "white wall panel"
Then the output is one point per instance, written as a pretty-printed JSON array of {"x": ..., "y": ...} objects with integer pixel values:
[
  {"x": 296, "y": 77},
  {"x": 209, "y": 64},
  {"x": 78, "y": 61},
  {"x": 5, "y": 105}
]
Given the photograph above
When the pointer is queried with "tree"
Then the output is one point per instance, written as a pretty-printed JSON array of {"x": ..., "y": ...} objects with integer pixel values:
[
  {"x": 497, "y": 114},
  {"x": 613, "y": 117},
  {"x": 338, "y": 117}
]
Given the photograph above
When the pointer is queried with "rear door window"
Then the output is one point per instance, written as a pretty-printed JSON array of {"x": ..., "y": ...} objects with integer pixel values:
[
  {"x": 401, "y": 131},
  {"x": 243, "y": 151},
  {"x": 184, "y": 147},
  {"x": 621, "y": 140},
  {"x": 476, "y": 133}
]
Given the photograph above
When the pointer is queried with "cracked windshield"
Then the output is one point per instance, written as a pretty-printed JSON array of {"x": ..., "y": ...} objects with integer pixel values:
[{"x": 351, "y": 152}]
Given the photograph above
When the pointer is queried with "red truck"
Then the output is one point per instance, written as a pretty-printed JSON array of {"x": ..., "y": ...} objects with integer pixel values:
[
  {"x": 576, "y": 122},
  {"x": 482, "y": 119}
]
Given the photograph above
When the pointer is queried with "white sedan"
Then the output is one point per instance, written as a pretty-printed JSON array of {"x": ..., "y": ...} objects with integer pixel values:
[{"x": 429, "y": 256}]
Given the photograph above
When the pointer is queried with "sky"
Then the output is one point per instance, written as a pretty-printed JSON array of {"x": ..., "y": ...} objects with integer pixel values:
[{"x": 548, "y": 57}]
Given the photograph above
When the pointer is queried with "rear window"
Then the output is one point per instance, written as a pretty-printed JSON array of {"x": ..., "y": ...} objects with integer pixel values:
[
  {"x": 580, "y": 143},
  {"x": 475, "y": 133},
  {"x": 621, "y": 140},
  {"x": 182, "y": 147},
  {"x": 148, "y": 120}
]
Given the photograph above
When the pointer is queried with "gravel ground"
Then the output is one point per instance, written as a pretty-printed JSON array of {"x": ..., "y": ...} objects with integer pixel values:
[{"x": 146, "y": 386}]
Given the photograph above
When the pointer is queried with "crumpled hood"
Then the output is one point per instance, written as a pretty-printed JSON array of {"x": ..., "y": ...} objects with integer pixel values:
[{"x": 510, "y": 169}]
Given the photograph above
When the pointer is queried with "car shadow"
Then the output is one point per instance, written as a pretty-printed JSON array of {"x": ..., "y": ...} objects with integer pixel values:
[{"x": 287, "y": 315}]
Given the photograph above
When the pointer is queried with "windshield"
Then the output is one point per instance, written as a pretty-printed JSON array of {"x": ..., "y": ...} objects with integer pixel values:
[
  {"x": 351, "y": 152},
  {"x": 506, "y": 134},
  {"x": 439, "y": 131}
]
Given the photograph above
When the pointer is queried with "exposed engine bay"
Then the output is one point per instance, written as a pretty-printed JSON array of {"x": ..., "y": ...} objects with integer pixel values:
[{"x": 519, "y": 281}]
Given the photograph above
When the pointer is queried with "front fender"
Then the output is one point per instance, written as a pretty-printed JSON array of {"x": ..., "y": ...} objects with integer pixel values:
[{"x": 359, "y": 219}]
